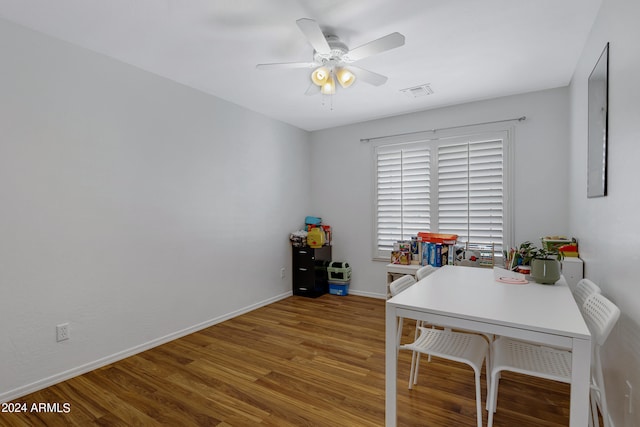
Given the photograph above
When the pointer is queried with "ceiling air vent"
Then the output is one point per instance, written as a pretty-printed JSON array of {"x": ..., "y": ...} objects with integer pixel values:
[{"x": 418, "y": 91}]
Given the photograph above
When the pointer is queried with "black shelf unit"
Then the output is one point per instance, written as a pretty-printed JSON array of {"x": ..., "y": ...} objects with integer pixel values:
[{"x": 310, "y": 277}]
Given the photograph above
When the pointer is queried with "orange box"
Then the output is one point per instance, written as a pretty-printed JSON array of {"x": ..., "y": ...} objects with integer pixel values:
[{"x": 445, "y": 239}]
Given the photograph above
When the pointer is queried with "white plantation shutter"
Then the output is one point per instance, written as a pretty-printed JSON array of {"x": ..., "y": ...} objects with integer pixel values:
[
  {"x": 470, "y": 191},
  {"x": 402, "y": 194},
  {"x": 451, "y": 185}
]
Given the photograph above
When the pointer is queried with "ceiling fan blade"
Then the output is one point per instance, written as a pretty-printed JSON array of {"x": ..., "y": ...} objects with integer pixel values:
[
  {"x": 388, "y": 42},
  {"x": 282, "y": 65},
  {"x": 313, "y": 89},
  {"x": 369, "y": 76},
  {"x": 313, "y": 33}
]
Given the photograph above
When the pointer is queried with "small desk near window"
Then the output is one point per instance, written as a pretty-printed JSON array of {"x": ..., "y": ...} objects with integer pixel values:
[{"x": 395, "y": 271}]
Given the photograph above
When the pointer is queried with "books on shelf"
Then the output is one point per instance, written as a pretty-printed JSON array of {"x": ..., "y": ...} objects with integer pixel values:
[{"x": 438, "y": 249}]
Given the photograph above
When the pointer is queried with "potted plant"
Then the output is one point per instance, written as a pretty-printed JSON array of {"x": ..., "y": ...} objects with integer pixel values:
[
  {"x": 521, "y": 257},
  {"x": 545, "y": 266}
]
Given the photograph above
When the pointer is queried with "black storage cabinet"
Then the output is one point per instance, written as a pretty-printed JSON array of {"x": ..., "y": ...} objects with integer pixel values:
[{"x": 309, "y": 266}]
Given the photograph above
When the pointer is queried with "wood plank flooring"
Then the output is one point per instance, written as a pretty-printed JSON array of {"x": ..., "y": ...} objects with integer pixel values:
[{"x": 297, "y": 362}]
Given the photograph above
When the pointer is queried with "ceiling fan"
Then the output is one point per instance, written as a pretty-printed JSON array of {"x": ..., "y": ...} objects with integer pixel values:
[{"x": 332, "y": 59}]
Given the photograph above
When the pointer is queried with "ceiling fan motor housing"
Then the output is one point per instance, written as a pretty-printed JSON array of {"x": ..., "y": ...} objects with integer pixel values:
[{"x": 337, "y": 54}]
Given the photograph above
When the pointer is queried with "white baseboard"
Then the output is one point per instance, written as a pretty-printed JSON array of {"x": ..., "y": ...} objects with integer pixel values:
[
  {"x": 367, "y": 294},
  {"x": 88, "y": 367}
]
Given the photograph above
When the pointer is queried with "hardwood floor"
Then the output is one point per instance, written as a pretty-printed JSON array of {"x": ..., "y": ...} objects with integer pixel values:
[{"x": 297, "y": 362}]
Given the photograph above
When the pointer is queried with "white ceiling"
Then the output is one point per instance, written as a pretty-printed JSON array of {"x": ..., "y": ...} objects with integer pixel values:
[{"x": 465, "y": 49}]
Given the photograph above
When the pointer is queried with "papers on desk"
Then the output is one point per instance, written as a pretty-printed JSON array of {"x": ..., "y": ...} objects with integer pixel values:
[{"x": 506, "y": 276}]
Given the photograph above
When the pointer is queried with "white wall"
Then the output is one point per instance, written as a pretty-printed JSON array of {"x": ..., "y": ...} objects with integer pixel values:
[
  {"x": 608, "y": 227},
  {"x": 342, "y": 176},
  {"x": 132, "y": 207}
]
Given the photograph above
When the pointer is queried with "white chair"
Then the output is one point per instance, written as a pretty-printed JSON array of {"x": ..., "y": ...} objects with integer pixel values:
[
  {"x": 421, "y": 273},
  {"x": 425, "y": 271},
  {"x": 395, "y": 288},
  {"x": 552, "y": 363},
  {"x": 401, "y": 284},
  {"x": 601, "y": 316},
  {"x": 583, "y": 289},
  {"x": 470, "y": 349}
]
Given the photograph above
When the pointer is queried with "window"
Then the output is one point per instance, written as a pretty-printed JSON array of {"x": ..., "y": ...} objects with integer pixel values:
[
  {"x": 403, "y": 193},
  {"x": 456, "y": 184}
]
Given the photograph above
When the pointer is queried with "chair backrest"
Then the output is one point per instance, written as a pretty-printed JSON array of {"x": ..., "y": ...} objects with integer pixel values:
[
  {"x": 583, "y": 289},
  {"x": 601, "y": 315},
  {"x": 401, "y": 284},
  {"x": 425, "y": 271}
]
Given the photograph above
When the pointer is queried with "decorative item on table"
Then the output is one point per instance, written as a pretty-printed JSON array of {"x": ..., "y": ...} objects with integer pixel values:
[
  {"x": 520, "y": 257},
  {"x": 541, "y": 264},
  {"x": 477, "y": 254},
  {"x": 445, "y": 239},
  {"x": 433, "y": 254},
  {"x": 424, "y": 253},
  {"x": 545, "y": 266},
  {"x": 400, "y": 257},
  {"x": 403, "y": 245},
  {"x": 552, "y": 243},
  {"x": 436, "y": 249},
  {"x": 298, "y": 238},
  {"x": 510, "y": 277},
  {"x": 401, "y": 253},
  {"x": 570, "y": 250},
  {"x": 415, "y": 250},
  {"x": 469, "y": 258},
  {"x": 456, "y": 252}
]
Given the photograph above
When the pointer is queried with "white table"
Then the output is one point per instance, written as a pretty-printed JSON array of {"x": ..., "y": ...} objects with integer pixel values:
[{"x": 469, "y": 298}]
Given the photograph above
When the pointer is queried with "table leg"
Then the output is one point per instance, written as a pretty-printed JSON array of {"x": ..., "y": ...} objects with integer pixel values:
[
  {"x": 391, "y": 366},
  {"x": 580, "y": 383}
]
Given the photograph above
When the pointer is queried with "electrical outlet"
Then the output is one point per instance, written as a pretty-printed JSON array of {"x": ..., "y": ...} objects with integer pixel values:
[
  {"x": 282, "y": 273},
  {"x": 62, "y": 332}
]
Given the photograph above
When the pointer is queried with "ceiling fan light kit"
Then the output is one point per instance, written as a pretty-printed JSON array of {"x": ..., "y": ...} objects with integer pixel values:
[
  {"x": 345, "y": 77},
  {"x": 329, "y": 87},
  {"x": 331, "y": 57},
  {"x": 325, "y": 78},
  {"x": 320, "y": 75}
]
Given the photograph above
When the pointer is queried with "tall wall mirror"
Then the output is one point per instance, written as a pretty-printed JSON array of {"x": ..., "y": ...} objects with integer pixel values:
[{"x": 598, "y": 118}]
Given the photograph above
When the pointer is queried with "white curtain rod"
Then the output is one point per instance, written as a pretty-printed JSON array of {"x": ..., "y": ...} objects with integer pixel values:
[{"x": 519, "y": 119}]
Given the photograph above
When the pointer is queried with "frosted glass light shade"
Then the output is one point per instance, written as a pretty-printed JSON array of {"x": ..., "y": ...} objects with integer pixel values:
[
  {"x": 329, "y": 87},
  {"x": 320, "y": 76},
  {"x": 345, "y": 77}
]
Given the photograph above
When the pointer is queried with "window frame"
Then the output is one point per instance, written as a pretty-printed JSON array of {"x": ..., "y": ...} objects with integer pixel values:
[{"x": 433, "y": 139}]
